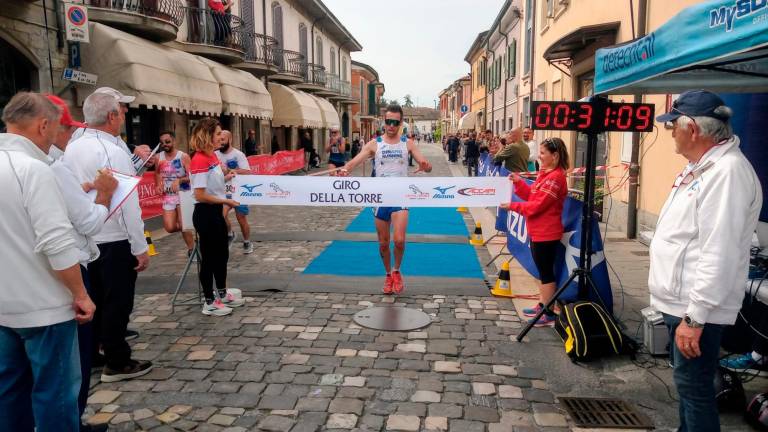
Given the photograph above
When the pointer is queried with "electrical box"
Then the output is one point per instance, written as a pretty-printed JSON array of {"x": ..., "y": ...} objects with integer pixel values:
[{"x": 655, "y": 333}]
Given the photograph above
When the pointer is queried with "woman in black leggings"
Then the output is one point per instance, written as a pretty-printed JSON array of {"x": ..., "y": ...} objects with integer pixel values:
[{"x": 208, "y": 180}]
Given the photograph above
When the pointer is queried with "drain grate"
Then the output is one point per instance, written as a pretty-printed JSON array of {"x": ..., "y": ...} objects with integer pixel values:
[{"x": 605, "y": 412}]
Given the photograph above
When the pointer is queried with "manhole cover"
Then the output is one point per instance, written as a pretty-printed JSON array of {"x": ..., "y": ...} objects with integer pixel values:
[
  {"x": 392, "y": 318},
  {"x": 604, "y": 412}
]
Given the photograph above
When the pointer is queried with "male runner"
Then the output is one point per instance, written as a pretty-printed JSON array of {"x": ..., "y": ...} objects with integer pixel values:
[
  {"x": 171, "y": 176},
  {"x": 235, "y": 161},
  {"x": 391, "y": 153}
]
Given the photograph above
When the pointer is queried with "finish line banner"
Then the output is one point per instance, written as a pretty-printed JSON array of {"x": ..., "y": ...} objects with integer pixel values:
[{"x": 372, "y": 191}]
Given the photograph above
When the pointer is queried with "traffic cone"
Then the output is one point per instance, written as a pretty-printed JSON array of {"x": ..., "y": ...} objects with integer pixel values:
[
  {"x": 477, "y": 236},
  {"x": 502, "y": 286},
  {"x": 152, "y": 251},
  {"x": 462, "y": 209}
]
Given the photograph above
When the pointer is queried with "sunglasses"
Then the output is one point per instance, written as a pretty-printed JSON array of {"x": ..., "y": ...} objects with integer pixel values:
[{"x": 392, "y": 122}]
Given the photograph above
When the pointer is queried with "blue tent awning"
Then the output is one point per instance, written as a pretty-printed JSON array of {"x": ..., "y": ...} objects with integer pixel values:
[{"x": 720, "y": 45}]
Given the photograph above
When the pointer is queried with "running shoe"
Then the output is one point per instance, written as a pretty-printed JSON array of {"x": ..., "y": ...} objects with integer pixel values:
[
  {"x": 247, "y": 247},
  {"x": 532, "y": 312},
  {"x": 744, "y": 363},
  {"x": 133, "y": 369},
  {"x": 230, "y": 239},
  {"x": 397, "y": 282},
  {"x": 546, "y": 321},
  {"x": 216, "y": 308},
  {"x": 231, "y": 301},
  {"x": 388, "y": 284}
]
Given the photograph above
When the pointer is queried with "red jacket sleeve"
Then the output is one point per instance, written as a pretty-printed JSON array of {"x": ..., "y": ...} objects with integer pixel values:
[
  {"x": 522, "y": 189},
  {"x": 548, "y": 193}
]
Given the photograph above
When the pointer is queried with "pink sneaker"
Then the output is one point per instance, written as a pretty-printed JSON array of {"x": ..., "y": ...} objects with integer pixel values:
[
  {"x": 231, "y": 301},
  {"x": 216, "y": 308},
  {"x": 388, "y": 284},
  {"x": 398, "y": 285}
]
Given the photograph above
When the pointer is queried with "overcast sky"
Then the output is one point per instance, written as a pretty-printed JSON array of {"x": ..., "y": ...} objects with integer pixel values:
[{"x": 417, "y": 46}]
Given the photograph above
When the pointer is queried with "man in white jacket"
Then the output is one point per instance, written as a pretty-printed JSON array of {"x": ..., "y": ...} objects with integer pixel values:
[
  {"x": 121, "y": 242},
  {"x": 42, "y": 294},
  {"x": 700, "y": 250}
]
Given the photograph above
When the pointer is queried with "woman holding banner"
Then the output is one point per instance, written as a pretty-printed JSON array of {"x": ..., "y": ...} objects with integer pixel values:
[
  {"x": 208, "y": 183},
  {"x": 542, "y": 206}
]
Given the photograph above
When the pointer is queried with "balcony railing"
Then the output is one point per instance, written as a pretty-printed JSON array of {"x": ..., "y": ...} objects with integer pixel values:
[
  {"x": 167, "y": 10},
  {"x": 346, "y": 88},
  {"x": 260, "y": 48},
  {"x": 207, "y": 27},
  {"x": 314, "y": 74},
  {"x": 333, "y": 82},
  {"x": 289, "y": 62}
]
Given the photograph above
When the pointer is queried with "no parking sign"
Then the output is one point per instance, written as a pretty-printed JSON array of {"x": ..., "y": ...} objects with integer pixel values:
[{"x": 76, "y": 18}]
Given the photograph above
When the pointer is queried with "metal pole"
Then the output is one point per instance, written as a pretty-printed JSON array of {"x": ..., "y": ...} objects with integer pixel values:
[{"x": 634, "y": 166}]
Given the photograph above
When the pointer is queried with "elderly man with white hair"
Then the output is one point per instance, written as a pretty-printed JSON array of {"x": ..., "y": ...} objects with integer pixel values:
[
  {"x": 700, "y": 250},
  {"x": 42, "y": 292},
  {"x": 121, "y": 242}
]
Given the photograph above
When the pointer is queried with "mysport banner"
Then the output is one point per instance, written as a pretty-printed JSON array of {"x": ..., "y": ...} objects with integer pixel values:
[
  {"x": 372, "y": 191},
  {"x": 518, "y": 242}
]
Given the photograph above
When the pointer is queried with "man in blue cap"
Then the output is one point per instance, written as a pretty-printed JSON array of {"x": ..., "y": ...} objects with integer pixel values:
[{"x": 700, "y": 250}]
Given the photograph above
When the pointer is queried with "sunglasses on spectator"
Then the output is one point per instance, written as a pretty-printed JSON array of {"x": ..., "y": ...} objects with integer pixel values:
[{"x": 392, "y": 122}]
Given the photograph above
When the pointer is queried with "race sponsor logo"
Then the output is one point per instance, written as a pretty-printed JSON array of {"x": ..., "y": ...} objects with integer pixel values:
[
  {"x": 249, "y": 190},
  {"x": 630, "y": 54},
  {"x": 277, "y": 191},
  {"x": 416, "y": 193},
  {"x": 477, "y": 191},
  {"x": 726, "y": 16},
  {"x": 442, "y": 192}
]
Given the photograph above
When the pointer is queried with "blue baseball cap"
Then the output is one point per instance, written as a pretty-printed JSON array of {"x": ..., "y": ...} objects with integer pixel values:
[{"x": 694, "y": 103}]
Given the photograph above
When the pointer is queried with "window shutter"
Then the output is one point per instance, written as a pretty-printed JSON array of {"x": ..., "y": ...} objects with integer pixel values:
[
  {"x": 372, "y": 99},
  {"x": 513, "y": 58}
]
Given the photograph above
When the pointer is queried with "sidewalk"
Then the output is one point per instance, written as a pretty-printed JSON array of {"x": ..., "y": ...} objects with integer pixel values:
[{"x": 295, "y": 361}]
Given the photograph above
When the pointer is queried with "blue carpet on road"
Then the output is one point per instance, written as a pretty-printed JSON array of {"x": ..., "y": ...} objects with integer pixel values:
[
  {"x": 421, "y": 220},
  {"x": 351, "y": 258}
]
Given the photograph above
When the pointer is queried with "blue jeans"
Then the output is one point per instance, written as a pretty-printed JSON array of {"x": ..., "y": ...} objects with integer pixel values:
[
  {"x": 39, "y": 378},
  {"x": 694, "y": 379}
]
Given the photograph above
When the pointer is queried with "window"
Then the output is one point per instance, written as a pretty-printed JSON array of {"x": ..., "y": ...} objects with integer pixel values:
[
  {"x": 497, "y": 127},
  {"x": 512, "y": 59},
  {"x": 547, "y": 11},
  {"x": 528, "y": 36},
  {"x": 526, "y": 111},
  {"x": 277, "y": 23},
  {"x": 333, "y": 60},
  {"x": 303, "y": 40},
  {"x": 343, "y": 68},
  {"x": 319, "y": 51},
  {"x": 511, "y": 123},
  {"x": 362, "y": 95}
]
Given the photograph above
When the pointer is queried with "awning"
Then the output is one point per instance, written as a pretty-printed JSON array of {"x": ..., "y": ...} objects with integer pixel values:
[
  {"x": 157, "y": 75},
  {"x": 569, "y": 45},
  {"x": 467, "y": 121},
  {"x": 712, "y": 45},
  {"x": 294, "y": 108},
  {"x": 328, "y": 112},
  {"x": 242, "y": 94}
]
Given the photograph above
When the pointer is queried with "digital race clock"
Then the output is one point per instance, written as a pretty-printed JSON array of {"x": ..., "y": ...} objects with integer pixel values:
[{"x": 595, "y": 116}]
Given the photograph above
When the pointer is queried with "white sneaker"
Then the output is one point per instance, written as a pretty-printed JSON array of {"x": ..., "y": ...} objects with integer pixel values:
[
  {"x": 216, "y": 309},
  {"x": 230, "y": 301},
  {"x": 247, "y": 247},
  {"x": 230, "y": 238}
]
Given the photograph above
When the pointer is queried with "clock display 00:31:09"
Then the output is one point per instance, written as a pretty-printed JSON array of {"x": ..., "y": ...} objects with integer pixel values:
[{"x": 589, "y": 117}]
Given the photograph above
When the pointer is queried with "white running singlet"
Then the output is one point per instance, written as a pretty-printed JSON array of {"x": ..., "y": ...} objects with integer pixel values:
[{"x": 391, "y": 159}]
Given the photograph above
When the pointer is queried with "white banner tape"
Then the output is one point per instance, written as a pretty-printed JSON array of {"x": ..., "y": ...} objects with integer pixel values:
[{"x": 372, "y": 191}]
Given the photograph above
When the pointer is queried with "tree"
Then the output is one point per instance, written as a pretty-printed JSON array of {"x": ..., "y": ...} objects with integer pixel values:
[{"x": 408, "y": 101}]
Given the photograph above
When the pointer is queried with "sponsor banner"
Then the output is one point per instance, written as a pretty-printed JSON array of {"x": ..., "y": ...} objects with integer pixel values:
[
  {"x": 372, "y": 191},
  {"x": 567, "y": 259},
  {"x": 150, "y": 201},
  {"x": 279, "y": 163}
]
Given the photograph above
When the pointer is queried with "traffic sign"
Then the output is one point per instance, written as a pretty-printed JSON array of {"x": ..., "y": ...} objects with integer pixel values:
[
  {"x": 80, "y": 76},
  {"x": 74, "y": 55},
  {"x": 76, "y": 17},
  {"x": 464, "y": 109}
]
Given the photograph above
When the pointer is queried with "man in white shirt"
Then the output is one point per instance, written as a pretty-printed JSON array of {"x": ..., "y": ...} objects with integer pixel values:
[
  {"x": 533, "y": 157},
  {"x": 700, "y": 250},
  {"x": 87, "y": 215},
  {"x": 235, "y": 161},
  {"x": 121, "y": 242},
  {"x": 42, "y": 292}
]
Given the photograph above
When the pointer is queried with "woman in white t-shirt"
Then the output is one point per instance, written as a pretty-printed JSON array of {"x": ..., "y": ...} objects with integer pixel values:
[{"x": 207, "y": 179}]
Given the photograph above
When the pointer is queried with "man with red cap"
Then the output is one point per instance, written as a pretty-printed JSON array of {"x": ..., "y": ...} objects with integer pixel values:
[{"x": 87, "y": 217}]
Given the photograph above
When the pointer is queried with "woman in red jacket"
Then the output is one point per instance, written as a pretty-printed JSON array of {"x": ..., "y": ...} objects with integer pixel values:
[{"x": 543, "y": 209}]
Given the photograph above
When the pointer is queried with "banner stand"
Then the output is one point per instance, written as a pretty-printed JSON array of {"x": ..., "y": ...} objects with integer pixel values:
[{"x": 186, "y": 207}]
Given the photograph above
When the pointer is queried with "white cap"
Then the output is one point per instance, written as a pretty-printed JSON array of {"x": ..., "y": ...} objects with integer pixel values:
[{"x": 119, "y": 96}]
